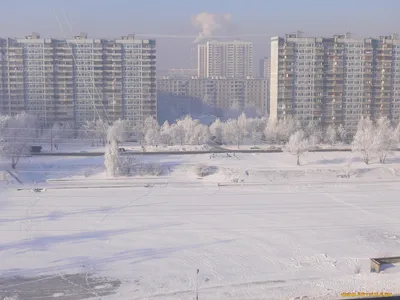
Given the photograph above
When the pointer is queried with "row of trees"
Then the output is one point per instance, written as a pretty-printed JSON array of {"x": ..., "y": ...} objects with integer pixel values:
[
  {"x": 371, "y": 140},
  {"x": 19, "y": 132},
  {"x": 188, "y": 131}
]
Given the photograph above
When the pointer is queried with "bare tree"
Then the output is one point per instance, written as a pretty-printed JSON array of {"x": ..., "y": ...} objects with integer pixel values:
[
  {"x": 297, "y": 145},
  {"x": 364, "y": 140},
  {"x": 385, "y": 138}
]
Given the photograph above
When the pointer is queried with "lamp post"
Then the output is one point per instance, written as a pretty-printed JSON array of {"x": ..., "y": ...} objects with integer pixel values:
[{"x": 197, "y": 284}]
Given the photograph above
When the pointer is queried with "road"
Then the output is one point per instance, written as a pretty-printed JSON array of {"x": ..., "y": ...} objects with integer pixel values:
[{"x": 221, "y": 150}]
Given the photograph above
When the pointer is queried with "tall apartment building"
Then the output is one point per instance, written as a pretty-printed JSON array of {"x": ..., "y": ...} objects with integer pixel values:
[
  {"x": 225, "y": 59},
  {"x": 78, "y": 79},
  {"x": 264, "y": 72},
  {"x": 335, "y": 80},
  {"x": 219, "y": 93}
]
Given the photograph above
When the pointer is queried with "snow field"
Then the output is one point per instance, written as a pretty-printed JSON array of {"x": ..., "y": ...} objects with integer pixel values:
[{"x": 286, "y": 231}]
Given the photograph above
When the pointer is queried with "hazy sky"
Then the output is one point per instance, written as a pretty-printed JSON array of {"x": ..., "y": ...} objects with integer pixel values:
[{"x": 104, "y": 18}]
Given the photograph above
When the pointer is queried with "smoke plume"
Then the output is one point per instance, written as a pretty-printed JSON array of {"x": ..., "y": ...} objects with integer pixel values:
[{"x": 211, "y": 24}]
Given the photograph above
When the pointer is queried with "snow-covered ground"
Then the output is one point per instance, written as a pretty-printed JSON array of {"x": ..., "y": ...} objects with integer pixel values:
[{"x": 257, "y": 227}]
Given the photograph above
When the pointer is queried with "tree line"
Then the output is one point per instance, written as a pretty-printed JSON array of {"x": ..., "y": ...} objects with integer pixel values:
[{"x": 372, "y": 139}]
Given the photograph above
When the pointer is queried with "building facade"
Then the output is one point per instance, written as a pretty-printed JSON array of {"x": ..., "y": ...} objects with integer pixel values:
[
  {"x": 78, "y": 79},
  {"x": 233, "y": 59},
  {"x": 335, "y": 80},
  {"x": 218, "y": 93},
  {"x": 264, "y": 67}
]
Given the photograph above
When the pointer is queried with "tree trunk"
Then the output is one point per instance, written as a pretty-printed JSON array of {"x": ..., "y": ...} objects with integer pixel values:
[{"x": 298, "y": 160}]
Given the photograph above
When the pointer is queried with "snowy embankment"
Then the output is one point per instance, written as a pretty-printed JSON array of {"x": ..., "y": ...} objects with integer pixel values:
[{"x": 281, "y": 231}]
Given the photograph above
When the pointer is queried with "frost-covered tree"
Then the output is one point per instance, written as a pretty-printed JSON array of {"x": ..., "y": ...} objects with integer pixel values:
[
  {"x": 17, "y": 135},
  {"x": 286, "y": 127},
  {"x": 178, "y": 134},
  {"x": 96, "y": 130},
  {"x": 313, "y": 132},
  {"x": 166, "y": 134},
  {"x": 152, "y": 136},
  {"x": 342, "y": 133},
  {"x": 271, "y": 131},
  {"x": 118, "y": 131},
  {"x": 111, "y": 158},
  {"x": 114, "y": 163},
  {"x": 141, "y": 128},
  {"x": 201, "y": 134},
  {"x": 243, "y": 125},
  {"x": 364, "y": 141},
  {"x": 297, "y": 145},
  {"x": 216, "y": 129},
  {"x": 385, "y": 138},
  {"x": 331, "y": 134},
  {"x": 233, "y": 133},
  {"x": 188, "y": 125},
  {"x": 255, "y": 128}
]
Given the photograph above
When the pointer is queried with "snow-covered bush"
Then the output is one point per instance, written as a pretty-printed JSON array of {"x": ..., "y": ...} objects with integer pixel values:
[
  {"x": 204, "y": 170},
  {"x": 147, "y": 169}
]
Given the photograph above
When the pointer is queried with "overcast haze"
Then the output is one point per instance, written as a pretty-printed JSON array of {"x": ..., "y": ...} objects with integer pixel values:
[{"x": 175, "y": 17}]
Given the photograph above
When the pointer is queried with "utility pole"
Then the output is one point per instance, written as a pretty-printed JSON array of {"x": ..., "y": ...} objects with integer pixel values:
[{"x": 197, "y": 285}]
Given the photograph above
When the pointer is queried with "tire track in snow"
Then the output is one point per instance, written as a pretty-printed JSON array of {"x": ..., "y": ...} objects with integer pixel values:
[{"x": 125, "y": 206}]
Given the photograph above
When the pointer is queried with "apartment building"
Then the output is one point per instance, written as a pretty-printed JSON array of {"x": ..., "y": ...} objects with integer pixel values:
[
  {"x": 233, "y": 59},
  {"x": 78, "y": 79},
  {"x": 264, "y": 67},
  {"x": 336, "y": 79},
  {"x": 220, "y": 93}
]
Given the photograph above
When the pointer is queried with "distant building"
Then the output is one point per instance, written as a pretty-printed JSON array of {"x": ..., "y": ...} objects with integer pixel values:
[
  {"x": 181, "y": 73},
  {"x": 264, "y": 68},
  {"x": 214, "y": 95},
  {"x": 335, "y": 79},
  {"x": 233, "y": 59},
  {"x": 78, "y": 79}
]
